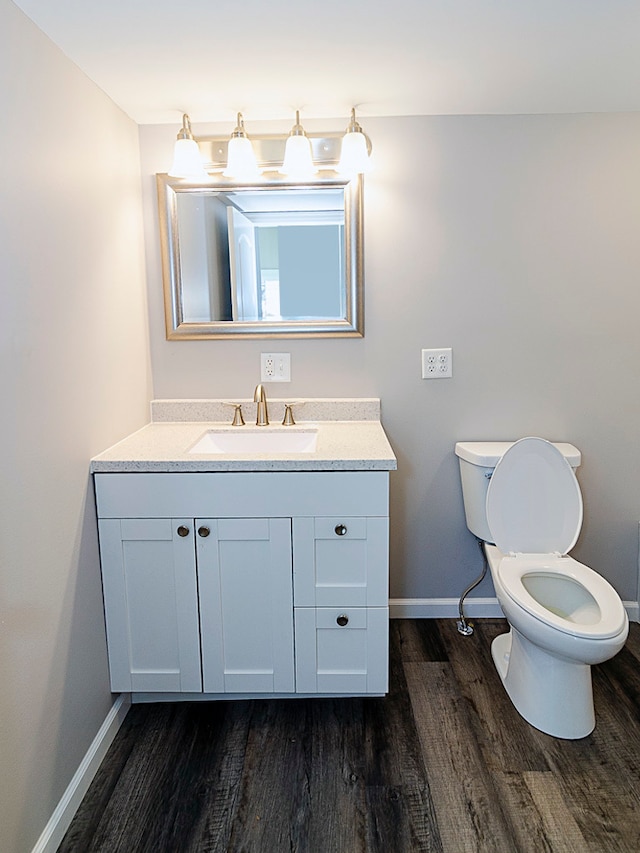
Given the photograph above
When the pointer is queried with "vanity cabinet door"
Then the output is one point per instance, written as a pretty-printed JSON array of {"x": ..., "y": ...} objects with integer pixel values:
[
  {"x": 151, "y": 604},
  {"x": 342, "y": 650},
  {"x": 246, "y": 605}
]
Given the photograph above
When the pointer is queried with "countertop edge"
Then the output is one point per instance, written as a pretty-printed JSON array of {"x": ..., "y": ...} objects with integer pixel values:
[{"x": 230, "y": 465}]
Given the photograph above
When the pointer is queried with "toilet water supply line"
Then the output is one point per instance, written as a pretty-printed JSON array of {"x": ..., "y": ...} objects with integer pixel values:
[{"x": 465, "y": 627}]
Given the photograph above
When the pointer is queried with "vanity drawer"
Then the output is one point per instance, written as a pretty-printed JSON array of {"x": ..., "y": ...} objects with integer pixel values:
[
  {"x": 342, "y": 649},
  {"x": 340, "y": 561}
]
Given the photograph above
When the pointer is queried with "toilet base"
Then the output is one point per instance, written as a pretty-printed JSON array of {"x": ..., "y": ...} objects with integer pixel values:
[{"x": 552, "y": 694}]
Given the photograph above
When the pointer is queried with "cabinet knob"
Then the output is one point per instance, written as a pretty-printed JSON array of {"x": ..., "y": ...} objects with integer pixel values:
[
  {"x": 340, "y": 529},
  {"x": 203, "y": 531},
  {"x": 342, "y": 620},
  {"x": 183, "y": 531}
]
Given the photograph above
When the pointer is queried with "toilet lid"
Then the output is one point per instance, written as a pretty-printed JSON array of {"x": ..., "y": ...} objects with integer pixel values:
[{"x": 534, "y": 504}]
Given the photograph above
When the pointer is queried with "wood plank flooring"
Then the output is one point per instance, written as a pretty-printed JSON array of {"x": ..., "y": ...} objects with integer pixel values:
[{"x": 444, "y": 763}]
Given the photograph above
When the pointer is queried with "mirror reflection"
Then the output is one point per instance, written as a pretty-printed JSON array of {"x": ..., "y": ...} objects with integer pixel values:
[
  {"x": 275, "y": 255},
  {"x": 267, "y": 260}
]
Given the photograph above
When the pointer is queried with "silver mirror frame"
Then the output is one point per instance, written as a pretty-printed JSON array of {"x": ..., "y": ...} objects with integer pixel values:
[{"x": 176, "y": 327}]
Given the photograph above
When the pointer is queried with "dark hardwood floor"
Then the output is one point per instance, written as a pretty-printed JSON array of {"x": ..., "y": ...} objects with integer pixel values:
[{"x": 444, "y": 763}]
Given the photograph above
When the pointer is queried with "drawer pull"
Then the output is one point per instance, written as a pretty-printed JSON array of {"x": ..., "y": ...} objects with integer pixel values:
[
  {"x": 203, "y": 531},
  {"x": 340, "y": 529},
  {"x": 183, "y": 531},
  {"x": 342, "y": 620}
]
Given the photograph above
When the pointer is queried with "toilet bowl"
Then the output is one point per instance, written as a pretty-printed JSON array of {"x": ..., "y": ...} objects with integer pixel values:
[{"x": 563, "y": 616}]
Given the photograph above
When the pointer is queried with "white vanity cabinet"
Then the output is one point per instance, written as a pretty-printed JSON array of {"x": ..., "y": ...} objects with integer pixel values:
[{"x": 242, "y": 583}]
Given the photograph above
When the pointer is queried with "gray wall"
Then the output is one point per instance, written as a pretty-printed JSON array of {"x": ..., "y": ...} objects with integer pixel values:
[
  {"x": 74, "y": 377},
  {"x": 513, "y": 240}
]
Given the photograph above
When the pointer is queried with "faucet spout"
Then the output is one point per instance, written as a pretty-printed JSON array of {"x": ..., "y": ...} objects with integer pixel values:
[{"x": 260, "y": 397}]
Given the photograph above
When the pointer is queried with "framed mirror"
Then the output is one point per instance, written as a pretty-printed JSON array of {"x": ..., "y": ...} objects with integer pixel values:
[{"x": 272, "y": 259}]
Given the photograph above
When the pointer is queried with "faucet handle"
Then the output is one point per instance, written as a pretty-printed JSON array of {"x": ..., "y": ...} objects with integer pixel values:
[
  {"x": 288, "y": 413},
  {"x": 238, "y": 420}
]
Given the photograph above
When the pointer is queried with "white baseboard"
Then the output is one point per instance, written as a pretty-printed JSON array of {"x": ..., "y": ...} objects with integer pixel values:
[
  {"x": 60, "y": 820},
  {"x": 477, "y": 608},
  {"x": 443, "y": 608}
]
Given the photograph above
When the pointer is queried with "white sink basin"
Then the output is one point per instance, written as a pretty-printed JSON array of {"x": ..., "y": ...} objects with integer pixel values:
[{"x": 258, "y": 440}]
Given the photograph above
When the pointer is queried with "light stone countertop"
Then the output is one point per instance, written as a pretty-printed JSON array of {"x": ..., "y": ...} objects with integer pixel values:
[{"x": 352, "y": 441}]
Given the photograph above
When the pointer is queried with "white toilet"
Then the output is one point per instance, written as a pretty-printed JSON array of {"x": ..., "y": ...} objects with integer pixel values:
[{"x": 564, "y": 617}]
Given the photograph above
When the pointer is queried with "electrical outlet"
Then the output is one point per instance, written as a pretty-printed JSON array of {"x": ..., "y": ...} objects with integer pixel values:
[
  {"x": 275, "y": 367},
  {"x": 437, "y": 363}
]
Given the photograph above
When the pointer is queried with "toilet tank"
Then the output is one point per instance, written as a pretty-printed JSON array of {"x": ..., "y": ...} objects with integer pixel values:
[{"x": 477, "y": 460}]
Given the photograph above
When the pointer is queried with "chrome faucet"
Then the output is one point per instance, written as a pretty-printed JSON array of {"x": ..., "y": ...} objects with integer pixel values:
[{"x": 260, "y": 397}]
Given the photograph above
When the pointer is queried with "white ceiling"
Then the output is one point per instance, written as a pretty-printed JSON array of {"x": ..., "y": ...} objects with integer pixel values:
[{"x": 211, "y": 58}]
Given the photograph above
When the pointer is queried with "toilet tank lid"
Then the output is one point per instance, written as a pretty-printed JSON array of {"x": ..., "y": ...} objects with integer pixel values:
[{"x": 488, "y": 453}]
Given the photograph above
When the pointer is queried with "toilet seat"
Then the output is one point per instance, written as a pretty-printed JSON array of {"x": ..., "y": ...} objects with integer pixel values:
[
  {"x": 534, "y": 503},
  {"x": 609, "y": 620}
]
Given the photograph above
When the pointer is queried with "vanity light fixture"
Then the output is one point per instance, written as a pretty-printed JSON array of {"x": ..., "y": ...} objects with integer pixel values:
[
  {"x": 295, "y": 155},
  {"x": 187, "y": 162},
  {"x": 241, "y": 158},
  {"x": 298, "y": 158},
  {"x": 354, "y": 154}
]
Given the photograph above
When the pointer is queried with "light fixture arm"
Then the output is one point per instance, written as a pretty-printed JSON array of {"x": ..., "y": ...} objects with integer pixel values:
[
  {"x": 297, "y": 129},
  {"x": 185, "y": 130},
  {"x": 239, "y": 132},
  {"x": 354, "y": 127}
]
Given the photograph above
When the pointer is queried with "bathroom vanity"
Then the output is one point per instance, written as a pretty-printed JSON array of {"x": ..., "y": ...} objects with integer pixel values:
[{"x": 239, "y": 574}]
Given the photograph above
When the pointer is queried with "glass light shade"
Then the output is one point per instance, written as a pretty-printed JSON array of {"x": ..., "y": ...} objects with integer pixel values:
[
  {"x": 241, "y": 159},
  {"x": 298, "y": 160},
  {"x": 187, "y": 162},
  {"x": 354, "y": 156}
]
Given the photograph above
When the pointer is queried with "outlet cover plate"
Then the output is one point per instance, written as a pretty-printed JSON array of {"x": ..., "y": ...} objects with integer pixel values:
[
  {"x": 437, "y": 363},
  {"x": 275, "y": 367}
]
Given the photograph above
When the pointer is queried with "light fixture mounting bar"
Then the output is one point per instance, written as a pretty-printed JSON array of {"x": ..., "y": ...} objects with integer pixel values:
[{"x": 269, "y": 149}]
